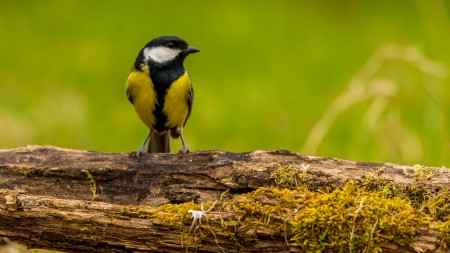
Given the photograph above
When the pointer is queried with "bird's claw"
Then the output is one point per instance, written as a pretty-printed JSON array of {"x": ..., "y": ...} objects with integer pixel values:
[
  {"x": 138, "y": 154},
  {"x": 184, "y": 150}
]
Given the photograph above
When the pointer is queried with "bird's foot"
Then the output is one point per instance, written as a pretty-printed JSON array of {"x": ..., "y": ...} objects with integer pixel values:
[
  {"x": 184, "y": 150},
  {"x": 138, "y": 154}
]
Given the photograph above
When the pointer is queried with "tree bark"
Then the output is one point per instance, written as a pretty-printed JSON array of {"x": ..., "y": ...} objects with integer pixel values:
[{"x": 86, "y": 201}]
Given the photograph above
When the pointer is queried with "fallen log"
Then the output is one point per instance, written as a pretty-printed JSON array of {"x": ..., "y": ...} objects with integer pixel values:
[{"x": 214, "y": 201}]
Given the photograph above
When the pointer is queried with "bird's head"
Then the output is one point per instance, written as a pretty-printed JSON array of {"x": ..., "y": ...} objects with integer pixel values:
[{"x": 167, "y": 50}]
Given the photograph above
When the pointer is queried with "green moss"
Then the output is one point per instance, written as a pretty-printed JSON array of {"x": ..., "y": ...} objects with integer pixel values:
[
  {"x": 177, "y": 214},
  {"x": 417, "y": 194},
  {"x": 290, "y": 176},
  {"x": 444, "y": 229},
  {"x": 6, "y": 180},
  {"x": 360, "y": 216},
  {"x": 438, "y": 205},
  {"x": 420, "y": 172},
  {"x": 433, "y": 200},
  {"x": 373, "y": 182},
  {"x": 270, "y": 203},
  {"x": 26, "y": 170},
  {"x": 173, "y": 213},
  {"x": 346, "y": 219},
  {"x": 353, "y": 219},
  {"x": 93, "y": 184}
]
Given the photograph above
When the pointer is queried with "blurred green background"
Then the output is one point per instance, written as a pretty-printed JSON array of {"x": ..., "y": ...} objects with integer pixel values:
[{"x": 362, "y": 80}]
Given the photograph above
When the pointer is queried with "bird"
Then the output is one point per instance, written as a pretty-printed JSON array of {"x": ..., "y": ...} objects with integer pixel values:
[{"x": 161, "y": 92}]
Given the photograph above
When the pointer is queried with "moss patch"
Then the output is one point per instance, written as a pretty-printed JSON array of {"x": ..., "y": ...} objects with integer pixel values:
[
  {"x": 93, "y": 186},
  {"x": 362, "y": 216},
  {"x": 346, "y": 219},
  {"x": 290, "y": 176},
  {"x": 354, "y": 219}
]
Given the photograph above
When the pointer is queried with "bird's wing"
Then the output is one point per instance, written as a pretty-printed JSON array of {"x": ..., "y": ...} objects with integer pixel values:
[
  {"x": 190, "y": 101},
  {"x": 130, "y": 97}
]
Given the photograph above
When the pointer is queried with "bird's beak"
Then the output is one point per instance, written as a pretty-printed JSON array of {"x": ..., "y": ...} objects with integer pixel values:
[{"x": 191, "y": 50}]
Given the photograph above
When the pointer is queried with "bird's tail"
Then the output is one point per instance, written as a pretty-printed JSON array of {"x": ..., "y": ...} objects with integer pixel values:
[{"x": 159, "y": 143}]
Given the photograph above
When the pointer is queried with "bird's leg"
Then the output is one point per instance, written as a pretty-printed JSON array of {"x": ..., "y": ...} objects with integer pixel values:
[
  {"x": 184, "y": 149},
  {"x": 142, "y": 149}
]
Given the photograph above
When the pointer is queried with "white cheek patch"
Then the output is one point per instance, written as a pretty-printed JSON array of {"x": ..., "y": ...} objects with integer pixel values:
[{"x": 161, "y": 54}]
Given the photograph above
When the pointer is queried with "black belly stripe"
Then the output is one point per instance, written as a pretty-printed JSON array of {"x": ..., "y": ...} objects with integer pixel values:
[{"x": 162, "y": 80}]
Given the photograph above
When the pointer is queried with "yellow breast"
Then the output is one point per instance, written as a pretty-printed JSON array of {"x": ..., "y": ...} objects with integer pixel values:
[
  {"x": 176, "y": 102},
  {"x": 140, "y": 89}
]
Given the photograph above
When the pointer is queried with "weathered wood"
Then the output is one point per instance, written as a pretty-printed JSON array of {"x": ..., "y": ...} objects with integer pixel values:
[{"x": 82, "y": 201}]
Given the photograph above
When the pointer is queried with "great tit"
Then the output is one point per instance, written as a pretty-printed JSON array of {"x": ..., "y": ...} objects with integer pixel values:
[{"x": 161, "y": 92}]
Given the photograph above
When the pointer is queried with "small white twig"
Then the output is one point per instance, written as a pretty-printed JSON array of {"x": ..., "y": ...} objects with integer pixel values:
[
  {"x": 305, "y": 166},
  {"x": 197, "y": 219},
  {"x": 197, "y": 216}
]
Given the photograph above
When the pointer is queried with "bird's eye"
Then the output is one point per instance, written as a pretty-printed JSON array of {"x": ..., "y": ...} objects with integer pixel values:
[{"x": 170, "y": 45}]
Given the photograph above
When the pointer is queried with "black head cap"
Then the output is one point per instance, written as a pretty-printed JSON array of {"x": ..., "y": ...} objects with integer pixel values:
[
  {"x": 165, "y": 51},
  {"x": 172, "y": 42}
]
